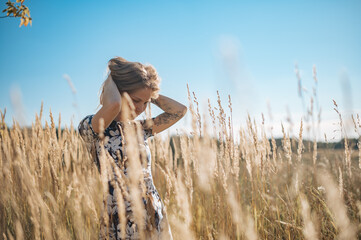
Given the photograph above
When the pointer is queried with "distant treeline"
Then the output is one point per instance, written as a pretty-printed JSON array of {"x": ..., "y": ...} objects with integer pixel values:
[{"x": 308, "y": 145}]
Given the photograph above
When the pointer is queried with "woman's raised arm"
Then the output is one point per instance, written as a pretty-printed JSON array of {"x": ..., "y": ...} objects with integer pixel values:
[
  {"x": 111, "y": 101},
  {"x": 173, "y": 111}
]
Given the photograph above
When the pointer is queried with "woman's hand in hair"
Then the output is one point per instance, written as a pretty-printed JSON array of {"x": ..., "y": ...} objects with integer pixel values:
[
  {"x": 110, "y": 92},
  {"x": 111, "y": 101},
  {"x": 173, "y": 111}
]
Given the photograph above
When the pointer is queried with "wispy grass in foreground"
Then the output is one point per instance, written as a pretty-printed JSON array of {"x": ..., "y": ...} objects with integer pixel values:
[{"x": 213, "y": 187}]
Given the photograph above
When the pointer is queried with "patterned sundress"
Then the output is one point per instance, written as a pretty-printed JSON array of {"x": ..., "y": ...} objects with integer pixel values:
[{"x": 153, "y": 204}]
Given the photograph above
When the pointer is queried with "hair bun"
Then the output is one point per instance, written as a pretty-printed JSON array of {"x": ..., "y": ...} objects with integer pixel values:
[
  {"x": 129, "y": 76},
  {"x": 116, "y": 62}
]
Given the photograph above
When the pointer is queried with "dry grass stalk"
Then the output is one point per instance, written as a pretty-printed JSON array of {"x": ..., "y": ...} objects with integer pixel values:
[
  {"x": 193, "y": 114},
  {"x": 286, "y": 143},
  {"x": 346, "y": 229},
  {"x": 309, "y": 230},
  {"x": 243, "y": 221},
  {"x": 340, "y": 182},
  {"x": 300, "y": 144},
  {"x": 198, "y": 115},
  {"x": 348, "y": 157},
  {"x": 314, "y": 152},
  {"x": 357, "y": 125}
]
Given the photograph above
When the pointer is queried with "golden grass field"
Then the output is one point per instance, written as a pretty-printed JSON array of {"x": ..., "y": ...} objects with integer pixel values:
[{"x": 212, "y": 187}]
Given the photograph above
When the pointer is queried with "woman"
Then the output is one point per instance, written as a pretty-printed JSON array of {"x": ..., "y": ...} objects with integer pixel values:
[{"x": 134, "y": 85}]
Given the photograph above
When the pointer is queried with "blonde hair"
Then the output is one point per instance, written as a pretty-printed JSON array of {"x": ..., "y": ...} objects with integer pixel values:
[{"x": 130, "y": 76}]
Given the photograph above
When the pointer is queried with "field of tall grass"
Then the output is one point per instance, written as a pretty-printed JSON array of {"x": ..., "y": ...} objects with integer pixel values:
[{"x": 214, "y": 182}]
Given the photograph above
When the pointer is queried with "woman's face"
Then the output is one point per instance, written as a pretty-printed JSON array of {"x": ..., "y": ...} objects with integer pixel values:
[{"x": 140, "y": 98}]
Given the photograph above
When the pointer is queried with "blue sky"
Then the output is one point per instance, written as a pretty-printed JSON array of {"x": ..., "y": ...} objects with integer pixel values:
[{"x": 247, "y": 49}]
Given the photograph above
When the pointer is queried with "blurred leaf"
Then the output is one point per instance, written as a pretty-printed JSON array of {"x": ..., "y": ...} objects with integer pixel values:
[
  {"x": 26, "y": 21},
  {"x": 21, "y": 11},
  {"x": 21, "y": 22}
]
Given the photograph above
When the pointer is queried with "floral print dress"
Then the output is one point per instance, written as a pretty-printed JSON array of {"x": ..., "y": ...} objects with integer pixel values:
[{"x": 153, "y": 205}]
